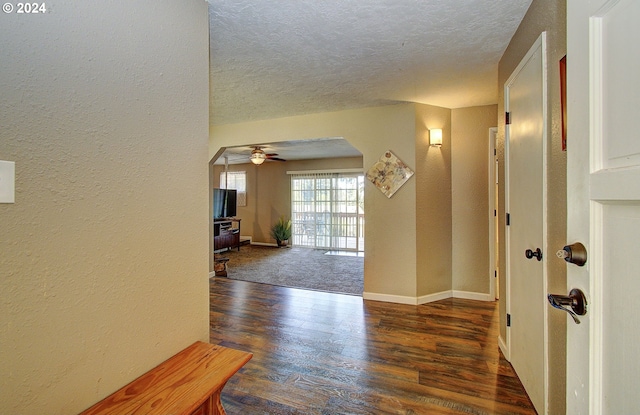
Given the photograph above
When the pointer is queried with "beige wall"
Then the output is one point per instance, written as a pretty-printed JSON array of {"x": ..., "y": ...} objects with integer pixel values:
[
  {"x": 269, "y": 191},
  {"x": 549, "y": 16},
  {"x": 471, "y": 270},
  {"x": 409, "y": 237},
  {"x": 433, "y": 202},
  {"x": 104, "y": 252}
]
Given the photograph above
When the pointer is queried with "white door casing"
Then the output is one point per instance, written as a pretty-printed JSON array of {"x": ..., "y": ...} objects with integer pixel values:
[
  {"x": 603, "y": 195},
  {"x": 525, "y": 186},
  {"x": 493, "y": 208}
]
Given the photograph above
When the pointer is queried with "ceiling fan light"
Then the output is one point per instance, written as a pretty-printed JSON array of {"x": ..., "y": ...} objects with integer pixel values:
[{"x": 258, "y": 157}]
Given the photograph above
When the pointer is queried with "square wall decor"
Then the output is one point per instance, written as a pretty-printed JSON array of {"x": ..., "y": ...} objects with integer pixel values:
[{"x": 389, "y": 173}]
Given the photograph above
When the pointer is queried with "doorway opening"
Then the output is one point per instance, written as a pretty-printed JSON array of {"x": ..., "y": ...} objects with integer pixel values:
[{"x": 327, "y": 213}]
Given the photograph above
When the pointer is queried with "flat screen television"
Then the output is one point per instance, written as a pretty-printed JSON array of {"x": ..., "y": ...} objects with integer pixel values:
[{"x": 224, "y": 203}]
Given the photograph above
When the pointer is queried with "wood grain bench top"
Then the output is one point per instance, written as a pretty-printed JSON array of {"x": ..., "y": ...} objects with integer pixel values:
[{"x": 180, "y": 385}]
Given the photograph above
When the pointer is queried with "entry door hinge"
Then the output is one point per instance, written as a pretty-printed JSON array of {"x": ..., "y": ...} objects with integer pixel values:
[
  {"x": 495, "y": 212},
  {"x": 507, "y": 118},
  {"x": 508, "y": 219},
  {"x": 495, "y": 274},
  {"x": 508, "y": 320}
]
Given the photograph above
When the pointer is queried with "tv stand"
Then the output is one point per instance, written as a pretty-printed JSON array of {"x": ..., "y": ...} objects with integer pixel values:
[{"x": 226, "y": 234}]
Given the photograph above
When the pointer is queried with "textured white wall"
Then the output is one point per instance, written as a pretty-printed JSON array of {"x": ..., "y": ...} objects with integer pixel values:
[{"x": 103, "y": 256}]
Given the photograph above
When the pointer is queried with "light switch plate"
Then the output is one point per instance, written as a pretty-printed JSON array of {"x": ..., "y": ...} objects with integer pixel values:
[{"x": 7, "y": 181}]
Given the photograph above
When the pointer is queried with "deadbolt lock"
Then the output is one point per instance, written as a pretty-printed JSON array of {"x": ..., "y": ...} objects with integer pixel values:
[{"x": 575, "y": 253}]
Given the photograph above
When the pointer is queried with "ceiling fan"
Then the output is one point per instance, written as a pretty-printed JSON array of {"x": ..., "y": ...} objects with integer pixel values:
[{"x": 258, "y": 156}]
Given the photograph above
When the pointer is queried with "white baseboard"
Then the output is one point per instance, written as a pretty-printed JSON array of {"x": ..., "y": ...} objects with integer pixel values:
[
  {"x": 468, "y": 295},
  {"x": 401, "y": 299},
  {"x": 388, "y": 298},
  {"x": 430, "y": 298},
  {"x": 503, "y": 348}
]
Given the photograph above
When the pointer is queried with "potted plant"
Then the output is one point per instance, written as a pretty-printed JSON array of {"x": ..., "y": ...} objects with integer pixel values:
[{"x": 281, "y": 231}]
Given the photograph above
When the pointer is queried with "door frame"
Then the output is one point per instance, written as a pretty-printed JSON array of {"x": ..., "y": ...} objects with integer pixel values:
[
  {"x": 492, "y": 214},
  {"x": 540, "y": 43}
]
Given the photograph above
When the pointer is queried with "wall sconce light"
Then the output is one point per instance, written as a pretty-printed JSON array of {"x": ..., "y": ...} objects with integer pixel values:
[
  {"x": 435, "y": 137},
  {"x": 258, "y": 157}
]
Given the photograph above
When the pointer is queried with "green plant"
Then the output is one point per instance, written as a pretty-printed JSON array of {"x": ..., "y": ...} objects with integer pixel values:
[{"x": 281, "y": 231}]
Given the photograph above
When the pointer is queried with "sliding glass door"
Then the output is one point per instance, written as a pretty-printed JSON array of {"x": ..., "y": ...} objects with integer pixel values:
[{"x": 327, "y": 211}]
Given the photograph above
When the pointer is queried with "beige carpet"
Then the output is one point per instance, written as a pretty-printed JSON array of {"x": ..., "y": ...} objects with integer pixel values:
[{"x": 297, "y": 267}]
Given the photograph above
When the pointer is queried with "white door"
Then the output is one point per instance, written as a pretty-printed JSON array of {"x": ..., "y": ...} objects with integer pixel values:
[
  {"x": 603, "y": 179},
  {"x": 525, "y": 204}
]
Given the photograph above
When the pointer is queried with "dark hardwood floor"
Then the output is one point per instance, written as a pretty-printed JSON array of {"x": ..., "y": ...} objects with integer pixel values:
[{"x": 322, "y": 353}]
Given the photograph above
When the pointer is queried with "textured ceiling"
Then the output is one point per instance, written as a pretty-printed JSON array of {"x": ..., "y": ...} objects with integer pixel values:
[
  {"x": 318, "y": 148},
  {"x": 279, "y": 58}
]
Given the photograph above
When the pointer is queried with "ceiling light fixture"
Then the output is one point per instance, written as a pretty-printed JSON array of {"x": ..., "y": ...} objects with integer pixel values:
[
  {"x": 258, "y": 157},
  {"x": 435, "y": 137}
]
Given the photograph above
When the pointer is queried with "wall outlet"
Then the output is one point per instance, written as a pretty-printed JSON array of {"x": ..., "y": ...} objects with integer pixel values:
[{"x": 7, "y": 181}]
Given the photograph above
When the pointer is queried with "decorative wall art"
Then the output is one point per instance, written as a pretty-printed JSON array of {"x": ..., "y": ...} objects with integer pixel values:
[{"x": 389, "y": 173}]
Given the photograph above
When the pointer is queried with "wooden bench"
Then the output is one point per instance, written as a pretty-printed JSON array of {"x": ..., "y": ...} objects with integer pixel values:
[{"x": 189, "y": 383}]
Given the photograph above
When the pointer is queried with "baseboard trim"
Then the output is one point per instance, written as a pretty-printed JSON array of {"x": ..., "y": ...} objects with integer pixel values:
[
  {"x": 430, "y": 298},
  {"x": 468, "y": 295},
  {"x": 387, "y": 298},
  {"x": 503, "y": 348},
  {"x": 401, "y": 299}
]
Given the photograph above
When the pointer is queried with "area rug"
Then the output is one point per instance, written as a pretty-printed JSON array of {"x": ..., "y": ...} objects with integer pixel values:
[{"x": 297, "y": 267}]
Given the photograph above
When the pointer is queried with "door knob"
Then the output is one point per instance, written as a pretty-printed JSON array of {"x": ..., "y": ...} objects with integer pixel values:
[
  {"x": 575, "y": 303},
  {"x": 574, "y": 253},
  {"x": 533, "y": 254}
]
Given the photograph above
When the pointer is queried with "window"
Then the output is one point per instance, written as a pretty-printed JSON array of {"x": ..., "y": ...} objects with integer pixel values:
[
  {"x": 237, "y": 180},
  {"x": 327, "y": 210}
]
